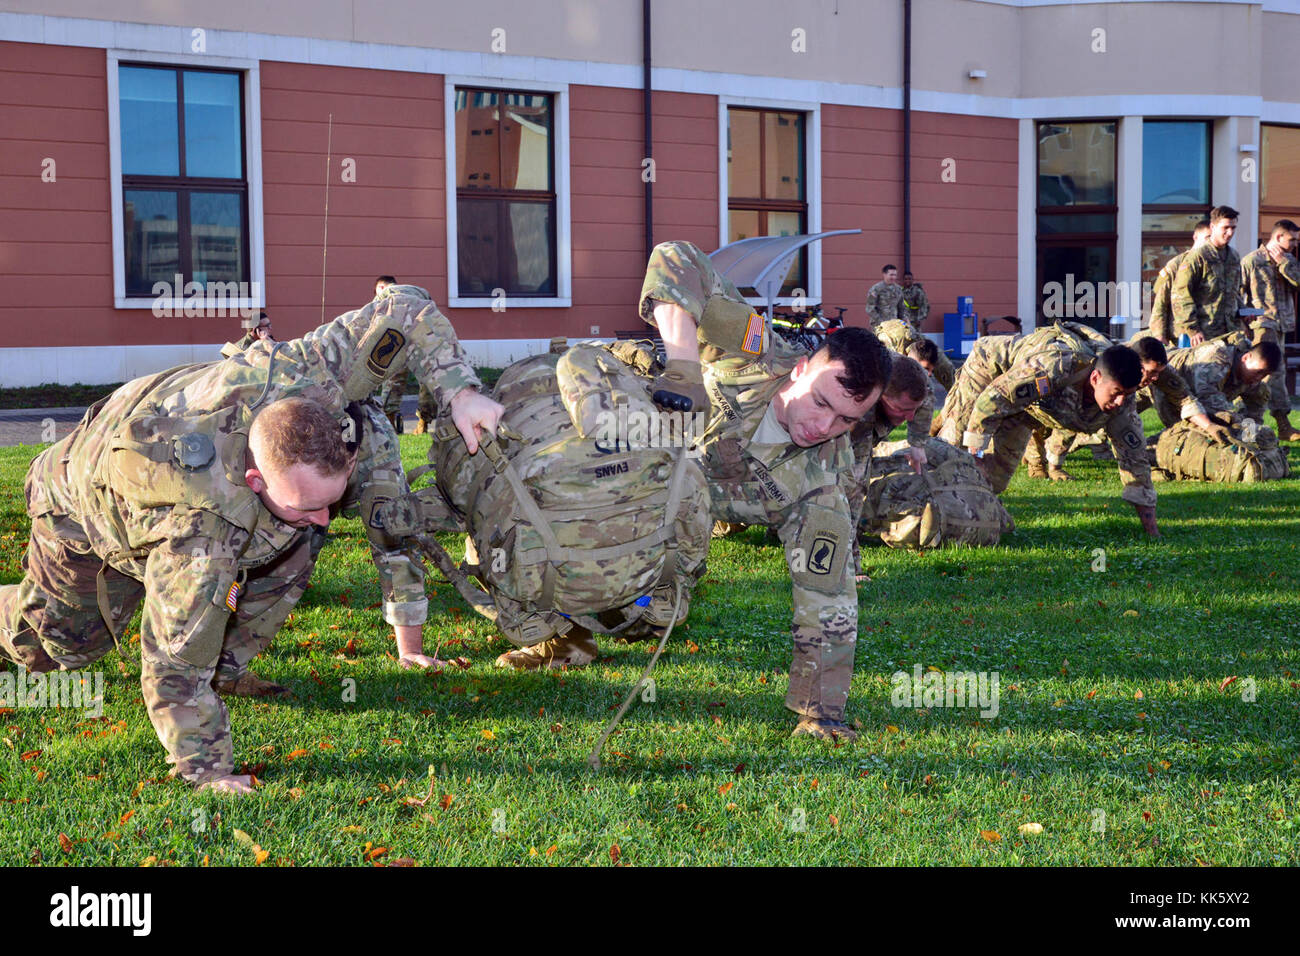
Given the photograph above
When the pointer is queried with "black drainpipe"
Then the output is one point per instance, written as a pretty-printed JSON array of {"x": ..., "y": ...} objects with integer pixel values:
[
  {"x": 907, "y": 135},
  {"x": 649, "y": 127}
]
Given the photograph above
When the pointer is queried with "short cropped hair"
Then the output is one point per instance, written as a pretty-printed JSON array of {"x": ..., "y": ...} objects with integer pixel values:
[
  {"x": 1280, "y": 229},
  {"x": 888, "y": 267},
  {"x": 1288, "y": 225},
  {"x": 389, "y": 279},
  {"x": 907, "y": 273},
  {"x": 924, "y": 351},
  {"x": 1120, "y": 364},
  {"x": 1222, "y": 212},
  {"x": 1151, "y": 349},
  {"x": 1202, "y": 228},
  {"x": 866, "y": 360},
  {"x": 295, "y": 431},
  {"x": 1270, "y": 354},
  {"x": 906, "y": 377}
]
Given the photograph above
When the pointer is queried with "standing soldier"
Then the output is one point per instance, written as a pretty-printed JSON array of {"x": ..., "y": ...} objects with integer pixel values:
[
  {"x": 1063, "y": 376},
  {"x": 914, "y": 306},
  {"x": 1162, "y": 310},
  {"x": 778, "y": 454},
  {"x": 902, "y": 338},
  {"x": 1269, "y": 278},
  {"x": 204, "y": 492},
  {"x": 884, "y": 297},
  {"x": 1204, "y": 295}
]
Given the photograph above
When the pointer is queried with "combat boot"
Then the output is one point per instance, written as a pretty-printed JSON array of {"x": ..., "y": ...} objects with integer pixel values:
[
  {"x": 1057, "y": 473},
  {"x": 1284, "y": 430},
  {"x": 824, "y": 728},
  {"x": 249, "y": 684},
  {"x": 573, "y": 650},
  {"x": 1035, "y": 469},
  {"x": 421, "y": 425}
]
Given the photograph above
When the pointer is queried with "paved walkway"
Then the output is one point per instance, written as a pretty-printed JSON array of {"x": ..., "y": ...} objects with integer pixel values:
[{"x": 39, "y": 426}]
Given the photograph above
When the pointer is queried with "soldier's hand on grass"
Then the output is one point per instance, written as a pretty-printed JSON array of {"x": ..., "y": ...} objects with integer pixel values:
[
  {"x": 1147, "y": 513},
  {"x": 916, "y": 458},
  {"x": 228, "y": 783},
  {"x": 473, "y": 414},
  {"x": 682, "y": 377}
]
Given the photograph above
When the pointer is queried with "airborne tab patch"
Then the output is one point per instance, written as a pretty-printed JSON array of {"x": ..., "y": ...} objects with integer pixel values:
[{"x": 753, "y": 340}]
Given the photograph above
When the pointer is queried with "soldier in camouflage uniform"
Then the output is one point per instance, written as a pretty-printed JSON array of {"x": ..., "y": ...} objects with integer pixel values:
[
  {"x": 884, "y": 298},
  {"x": 1162, "y": 309},
  {"x": 1204, "y": 294},
  {"x": 914, "y": 306},
  {"x": 777, "y": 454},
  {"x": 1063, "y": 376},
  {"x": 902, "y": 338},
  {"x": 260, "y": 333},
  {"x": 203, "y": 491},
  {"x": 1047, "y": 449},
  {"x": 1221, "y": 371},
  {"x": 1269, "y": 278}
]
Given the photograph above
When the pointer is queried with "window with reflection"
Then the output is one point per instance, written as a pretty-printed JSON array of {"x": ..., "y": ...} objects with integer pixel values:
[
  {"x": 1076, "y": 217},
  {"x": 1175, "y": 188},
  {"x": 184, "y": 177},
  {"x": 1279, "y": 176},
  {"x": 765, "y": 180},
  {"x": 505, "y": 193}
]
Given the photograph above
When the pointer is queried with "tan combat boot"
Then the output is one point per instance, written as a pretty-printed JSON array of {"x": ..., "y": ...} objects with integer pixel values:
[
  {"x": 421, "y": 426},
  {"x": 249, "y": 684},
  {"x": 573, "y": 650},
  {"x": 1284, "y": 430},
  {"x": 1035, "y": 468},
  {"x": 824, "y": 728},
  {"x": 1057, "y": 473}
]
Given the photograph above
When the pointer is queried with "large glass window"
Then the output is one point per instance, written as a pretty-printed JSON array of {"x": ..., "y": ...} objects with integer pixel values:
[
  {"x": 505, "y": 193},
  {"x": 184, "y": 183},
  {"x": 1076, "y": 220},
  {"x": 765, "y": 180},
  {"x": 1279, "y": 176},
  {"x": 1175, "y": 189}
]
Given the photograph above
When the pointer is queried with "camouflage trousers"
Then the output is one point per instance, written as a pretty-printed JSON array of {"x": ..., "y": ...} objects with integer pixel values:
[
  {"x": 1009, "y": 442},
  {"x": 51, "y": 620},
  {"x": 1278, "y": 399},
  {"x": 427, "y": 407}
]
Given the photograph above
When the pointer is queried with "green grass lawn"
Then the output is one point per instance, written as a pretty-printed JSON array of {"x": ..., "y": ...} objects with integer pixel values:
[{"x": 1110, "y": 705}]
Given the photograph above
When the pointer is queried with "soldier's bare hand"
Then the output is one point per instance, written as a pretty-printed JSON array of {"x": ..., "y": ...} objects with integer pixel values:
[
  {"x": 473, "y": 414},
  {"x": 916, "y": 458},
  {"x": 1198, "y": 338},
  {"x": 228, "y": 783},
  {"x": 1147, "y": 514}
]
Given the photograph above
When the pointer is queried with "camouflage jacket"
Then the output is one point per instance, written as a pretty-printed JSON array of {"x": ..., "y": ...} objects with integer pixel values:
[
  {"x": 1270, "y": 287},
  {"x": 1171, "y": 385},
  {"x": 1204, "y": 294},
  {"x": 913, "y": 305},
  {"x": 884, "y": 302},
  {"x": 190, "y": 533},
  {"x": 1044, "y": 375},
  {"x": 1210, "y": 370},
  {"x": 1162, "y": 310}
]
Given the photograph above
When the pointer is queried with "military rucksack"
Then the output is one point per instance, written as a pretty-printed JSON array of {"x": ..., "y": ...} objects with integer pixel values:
[
  {"x": 569, "y": 523},
  {"x": 951, "y": 502},
  {"x": 1185, "y": 452}
]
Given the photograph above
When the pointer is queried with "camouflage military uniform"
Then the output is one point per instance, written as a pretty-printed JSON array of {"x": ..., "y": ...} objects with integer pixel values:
[
  {"x": 914, "y": 305},
  {"x": 1210, "y": 371},
  {"x": 900, "y": 336},
  {"x": 1162, "y": 310},
  {"x": 1204, "y": 293},
  {"x": 1009, "y": 383},
  {"x": 1272, "y": 288},
  {"x": 803, "y": 493},
  {"x": 217, "y": 572},
  {"x": 884, "y": 302}
]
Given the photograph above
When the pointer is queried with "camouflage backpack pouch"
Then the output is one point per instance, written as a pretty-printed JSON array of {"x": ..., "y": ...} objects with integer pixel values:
[{"x": 950, "y": 503}]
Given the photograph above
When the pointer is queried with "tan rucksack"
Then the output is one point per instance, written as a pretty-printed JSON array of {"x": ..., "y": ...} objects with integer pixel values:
[
  {"x": 951, "y": 502},
  {"x": 1185, "y": 452},
  {"x": 570, "y": 524}
]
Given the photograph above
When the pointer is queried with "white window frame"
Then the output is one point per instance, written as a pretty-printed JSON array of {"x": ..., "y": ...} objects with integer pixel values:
[
  {"x": 563, "y": 297},
  {"x": 812, "y": 187},
  {"x": 252, "y": 91}
]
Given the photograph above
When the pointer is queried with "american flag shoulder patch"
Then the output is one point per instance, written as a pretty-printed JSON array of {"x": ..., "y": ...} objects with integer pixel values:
[
  {"x": 232, "y": 596},
  {"x": 1044, "y": 384},
  {"x": 753, "y": 341}
]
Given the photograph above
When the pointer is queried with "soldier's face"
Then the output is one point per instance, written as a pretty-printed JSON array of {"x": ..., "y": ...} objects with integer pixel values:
[
  {"x": 891, "y": 277},
  {"x": 1108, "y": 393},
  {"x": 299, "y": 495},
  {"x": 264, "y": 331},
  {"x": 1150, "y": 372},
  {"x": 899, "y": 408},
  {"x": 1250, "y": 371},
  {"x": 907, "y": 282},
  {"x": 814, "y": 407},
  {"x": 1221, "y": 231}
]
